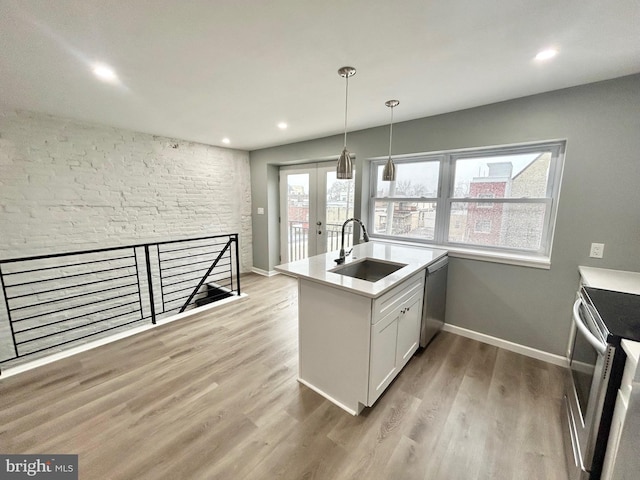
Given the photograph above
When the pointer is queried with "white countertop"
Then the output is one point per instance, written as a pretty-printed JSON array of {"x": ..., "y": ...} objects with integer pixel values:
[
  {"x": 616, "y": 280},
  {"x": 318, "y": 268}
]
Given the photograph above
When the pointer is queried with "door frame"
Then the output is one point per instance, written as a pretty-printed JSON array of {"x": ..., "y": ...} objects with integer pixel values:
[{"x": 316, "y": 243}]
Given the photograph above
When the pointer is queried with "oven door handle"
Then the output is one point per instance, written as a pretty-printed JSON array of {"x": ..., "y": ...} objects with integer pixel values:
[{"x": 591, "y": 338}]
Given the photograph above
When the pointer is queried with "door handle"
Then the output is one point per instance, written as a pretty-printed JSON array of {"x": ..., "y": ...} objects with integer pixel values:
[
  {"x": 600, "y": 347},
  {"x": 318, "y": 223}
]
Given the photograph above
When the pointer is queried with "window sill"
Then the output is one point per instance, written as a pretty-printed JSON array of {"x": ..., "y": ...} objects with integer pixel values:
[{"x": 481, "y": 255}]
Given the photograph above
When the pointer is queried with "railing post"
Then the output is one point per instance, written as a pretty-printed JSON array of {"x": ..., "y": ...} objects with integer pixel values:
[
  {"x": 161, "y": 280},
  {"x": 237, "y": 264},
  {"x": 135, "y": 259},
  {"x": 150, "y": 284},
  {"x": 6, "y": 302}
]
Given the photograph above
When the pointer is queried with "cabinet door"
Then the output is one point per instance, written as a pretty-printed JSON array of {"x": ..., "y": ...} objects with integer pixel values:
[
  {"x": 383, "y": 366},
  {"x": 409, "y": 330}
]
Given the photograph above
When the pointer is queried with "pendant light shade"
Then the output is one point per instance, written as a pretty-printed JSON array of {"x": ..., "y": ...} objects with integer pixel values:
[
  {"x": 344, "y": 170},
  {"x": 389, "y": 172}
]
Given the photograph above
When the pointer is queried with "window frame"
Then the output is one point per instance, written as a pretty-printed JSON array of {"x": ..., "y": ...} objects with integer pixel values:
[
  {"x": 445, "y": 200},
  {"x": 414, "y": 158}
]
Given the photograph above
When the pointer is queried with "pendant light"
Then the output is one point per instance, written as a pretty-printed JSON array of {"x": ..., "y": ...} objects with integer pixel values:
[
  {"x": 389, "y": 172},
  {"x": 344, "y": 170}
]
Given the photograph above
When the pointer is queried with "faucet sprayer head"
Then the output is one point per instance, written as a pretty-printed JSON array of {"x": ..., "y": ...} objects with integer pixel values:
[{"x": 365, "y": 235}]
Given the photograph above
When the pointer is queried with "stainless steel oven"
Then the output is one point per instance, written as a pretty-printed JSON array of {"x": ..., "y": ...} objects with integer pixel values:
[{"x": 596, "y": 362}]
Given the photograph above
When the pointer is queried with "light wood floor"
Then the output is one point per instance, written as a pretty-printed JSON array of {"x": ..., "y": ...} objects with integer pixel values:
[{"x": 217, "y": 398}]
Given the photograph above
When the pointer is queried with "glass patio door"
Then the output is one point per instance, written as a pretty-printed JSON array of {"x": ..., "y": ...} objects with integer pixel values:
[{"x": 313, "y": 206}]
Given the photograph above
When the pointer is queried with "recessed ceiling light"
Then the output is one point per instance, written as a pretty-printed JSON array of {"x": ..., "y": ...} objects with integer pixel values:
[
  {"x": 226, "y": 141},
  {"x": 104, "y": 72},
  {"x": 282, "y": 126},
  {"x": 546, "y": 54}
]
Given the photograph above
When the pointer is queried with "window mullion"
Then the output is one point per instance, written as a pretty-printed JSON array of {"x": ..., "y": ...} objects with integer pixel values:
[{"x": 443, "y": 207}]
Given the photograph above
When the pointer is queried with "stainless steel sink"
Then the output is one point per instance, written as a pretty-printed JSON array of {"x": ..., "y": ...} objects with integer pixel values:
[{"x": 368, "y": 269}]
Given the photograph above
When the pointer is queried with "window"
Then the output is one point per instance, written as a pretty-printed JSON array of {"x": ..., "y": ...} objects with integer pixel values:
[
  {"x": 497, "y": 200},
  {"x": 407, "y": 207},
  {"x": 483, "y": 225},
  {"x": 486, "y": 195}
]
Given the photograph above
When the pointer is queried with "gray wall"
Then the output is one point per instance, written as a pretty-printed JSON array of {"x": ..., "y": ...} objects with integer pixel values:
[{"x": 599, "y": 200}]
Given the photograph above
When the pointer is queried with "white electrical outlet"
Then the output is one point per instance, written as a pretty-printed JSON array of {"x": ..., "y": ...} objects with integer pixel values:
[{"x": 597, "y": 250}]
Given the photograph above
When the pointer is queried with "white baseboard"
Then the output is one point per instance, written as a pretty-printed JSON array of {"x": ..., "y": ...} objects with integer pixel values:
[
  {"x": 264, "y": 273},
  {"x": 507, "y": 345}
]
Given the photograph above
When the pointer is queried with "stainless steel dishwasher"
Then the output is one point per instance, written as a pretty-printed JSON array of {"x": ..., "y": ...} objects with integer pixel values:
[{"x": 435, "y": 300}]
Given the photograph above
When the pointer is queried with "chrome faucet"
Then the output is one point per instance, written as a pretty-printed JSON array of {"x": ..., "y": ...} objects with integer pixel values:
[{"x": 365, "y": 236}]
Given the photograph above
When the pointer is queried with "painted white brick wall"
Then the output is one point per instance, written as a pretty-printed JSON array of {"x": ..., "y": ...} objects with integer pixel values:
[{"x": 67, "y": 186}]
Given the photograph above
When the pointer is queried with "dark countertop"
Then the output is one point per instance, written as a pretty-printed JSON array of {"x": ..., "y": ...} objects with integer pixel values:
[{"x": 619, "y": 311}]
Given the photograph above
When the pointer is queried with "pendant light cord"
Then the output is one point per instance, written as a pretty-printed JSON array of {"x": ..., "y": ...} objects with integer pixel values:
[
  {"x": 390, "y": 132},
  {"x": 346, "y": 100}
]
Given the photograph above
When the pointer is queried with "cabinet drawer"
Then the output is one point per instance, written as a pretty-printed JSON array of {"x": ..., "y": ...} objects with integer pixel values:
[{"x": 397, "y": 296}]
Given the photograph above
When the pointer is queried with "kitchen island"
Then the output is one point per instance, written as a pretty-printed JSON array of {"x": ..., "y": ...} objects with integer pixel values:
[{"x": 355, "y": 335}]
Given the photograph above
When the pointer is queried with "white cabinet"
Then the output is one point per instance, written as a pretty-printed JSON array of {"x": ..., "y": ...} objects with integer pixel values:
[
  {"x": 409, "y": 330},
  {"x": 622, "y": 461},
  {"x": 351, "y": 347},
  {"x": 395, "y": 334},
  {"x": 383, "y": 365}
]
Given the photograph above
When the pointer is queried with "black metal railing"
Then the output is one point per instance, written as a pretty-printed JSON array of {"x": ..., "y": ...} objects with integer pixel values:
[
  {"x": 53, "y": 302},
  {"x": 299, "y": 239}
]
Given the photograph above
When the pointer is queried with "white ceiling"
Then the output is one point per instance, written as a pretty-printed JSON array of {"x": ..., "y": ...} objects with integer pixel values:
[{"x": 202, "y": 70}]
